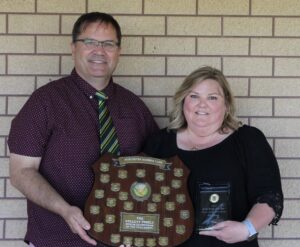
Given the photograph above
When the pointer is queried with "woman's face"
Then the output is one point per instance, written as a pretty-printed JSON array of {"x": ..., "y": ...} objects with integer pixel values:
[{"x": 204, "y": 106}]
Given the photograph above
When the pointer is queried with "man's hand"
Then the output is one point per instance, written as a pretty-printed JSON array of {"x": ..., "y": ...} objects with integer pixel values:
[
  {"x": 228, "y": 231},
  {"x": 78, "y": 224}
]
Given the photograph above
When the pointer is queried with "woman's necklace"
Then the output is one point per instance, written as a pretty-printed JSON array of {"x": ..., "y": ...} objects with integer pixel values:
[{"x": 217, "y": 139}]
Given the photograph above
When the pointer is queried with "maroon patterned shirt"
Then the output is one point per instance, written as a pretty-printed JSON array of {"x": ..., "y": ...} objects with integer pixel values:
[{"x": 60, "y": 124}]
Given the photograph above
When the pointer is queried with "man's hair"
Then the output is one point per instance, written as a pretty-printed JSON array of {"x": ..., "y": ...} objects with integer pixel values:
[{"x": 84, "y": 20}]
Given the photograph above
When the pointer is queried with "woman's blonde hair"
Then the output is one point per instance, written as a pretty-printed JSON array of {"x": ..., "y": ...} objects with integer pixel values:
[{"x": 177, "y": 119}]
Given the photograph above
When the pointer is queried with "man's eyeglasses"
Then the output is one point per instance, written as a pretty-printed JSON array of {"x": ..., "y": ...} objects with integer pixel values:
[{"x": 107, "y": 45}]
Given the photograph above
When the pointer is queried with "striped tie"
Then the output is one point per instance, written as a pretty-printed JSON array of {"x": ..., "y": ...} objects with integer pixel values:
[{"x": 108, "y": 135}]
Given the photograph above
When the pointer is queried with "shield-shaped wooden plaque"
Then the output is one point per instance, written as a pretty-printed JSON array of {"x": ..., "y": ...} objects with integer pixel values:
[{"x": 140, "y": 201}]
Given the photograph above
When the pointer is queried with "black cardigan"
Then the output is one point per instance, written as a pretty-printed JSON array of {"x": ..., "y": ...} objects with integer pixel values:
[{"x": 244, "y": 159}]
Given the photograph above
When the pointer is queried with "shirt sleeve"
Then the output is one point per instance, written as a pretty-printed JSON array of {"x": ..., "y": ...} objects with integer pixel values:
[
  {"x": 29, "y": 132},
  {"x": 262, "y": 171}
]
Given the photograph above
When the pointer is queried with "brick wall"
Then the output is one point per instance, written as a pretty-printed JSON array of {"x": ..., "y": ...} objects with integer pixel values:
[{"x": 256, "y": 43}]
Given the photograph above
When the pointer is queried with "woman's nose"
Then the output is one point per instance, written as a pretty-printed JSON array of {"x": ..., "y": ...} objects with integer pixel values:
[{"x": 201, "y": 102}]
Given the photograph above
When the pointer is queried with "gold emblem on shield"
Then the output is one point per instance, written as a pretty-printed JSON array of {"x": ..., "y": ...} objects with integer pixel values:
[
  {"x": 104, "y": 167},
  {"x": 140, "y": 191}
]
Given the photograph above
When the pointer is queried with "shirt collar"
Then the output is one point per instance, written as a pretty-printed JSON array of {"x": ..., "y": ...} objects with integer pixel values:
[{"x": 87, "y": 89}]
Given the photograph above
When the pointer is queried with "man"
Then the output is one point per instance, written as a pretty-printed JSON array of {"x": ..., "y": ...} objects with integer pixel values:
[{"x": 54, "y": 139}]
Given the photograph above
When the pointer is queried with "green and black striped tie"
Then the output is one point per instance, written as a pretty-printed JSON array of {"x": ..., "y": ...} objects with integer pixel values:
[{"x": 108, "y": 136}]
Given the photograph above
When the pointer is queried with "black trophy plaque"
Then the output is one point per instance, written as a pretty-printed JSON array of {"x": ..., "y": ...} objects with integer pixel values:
[{"x": 212, "y": 205}]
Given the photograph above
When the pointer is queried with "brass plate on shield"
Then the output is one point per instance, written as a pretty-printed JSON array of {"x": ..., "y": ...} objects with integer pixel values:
[{"x": 140, "y": 200}]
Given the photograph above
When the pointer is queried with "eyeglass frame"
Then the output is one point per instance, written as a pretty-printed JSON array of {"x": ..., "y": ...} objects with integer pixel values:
[{"x": 100, "y": 43}]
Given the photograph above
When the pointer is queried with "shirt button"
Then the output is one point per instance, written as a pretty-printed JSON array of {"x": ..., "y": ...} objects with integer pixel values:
[{"x": 91, "y": 96}]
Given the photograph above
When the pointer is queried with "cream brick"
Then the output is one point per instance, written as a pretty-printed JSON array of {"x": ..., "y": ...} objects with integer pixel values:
[
  {"x": 58, "y": 6},
  {"x": 279, "y": 243},
  {"x": 178, "y": 7},
  {"x": 5, "y": 125},
  {"x": 289, "y": 168},
  {"x": 271, "y": 143},
  {"x": 183, "y": 66},
  {"x": 288, "y": 229},
  {"x": 7, "y": 150},
  {"x": 1, "y": 228},
  {"x": 290, "y": 188},
  {"x": 116, "y": 6},
  {"x": 161, "y": 85},
  {"x": 15, "y": 228},
  {"x": 67, "y": 22},
  {"x": 34, "y": 64},
  {"x": 132, "y": 45},
  {"x": 2, "y": 64},
  {"x": 244, "y": 120},
  {"x": 2, "y": 104},
  {"x": 287, "y": 148},
  {"x": 287, "y": 27},
  {"x": 254, "y": 107},
  {"x": 162, "y": 121},
  {"x": 170, "y": 46},
  {"x": 287, "y": 107},
  {"x": 247, "y": 66},
  {"x": 275, "y": 7},
  {"x": 33, "y": 24},
  {"x": 4, "y": 168},
  {"x": 228, "y": 7},
  {"x": 142, "y": 25},
  {"x": 43, "y": 80},
  {"x": 275, "y": 47},
  {"x": 2, "y": 23},
  {"x": 170, "y": 105},
  {"x": 13, "y": 208},
  {"x": 193, "y": 26},
  {"x": 239, "y": 86},
  {"x": 156, "y": 105},
  {"x": 223, "y": 46},
  {"x": 247, "y": 26},
  {"x": 16, "y": 44},
  {"x": 266, "y": 232},
  {"x": 278, "y": 127},
  {"x": 67, "y": 64},
  {"x": 274, "y": 87},
  {"x": 141, "y": 66},
  {"x": 15, "y": 104},
  {"x": 13, "y": 243},
  {"x": 291, "y": 209},
  {"x": 17, "y": 6},
  {"x": 54, "y": 44},
  {"x": 2, "y": 146},
  {"x": 16, "y": 84},
  {"x": 2, "y": 188},
  {"x": 134, "y": 84},
  {"x": 287, "y": 67}
]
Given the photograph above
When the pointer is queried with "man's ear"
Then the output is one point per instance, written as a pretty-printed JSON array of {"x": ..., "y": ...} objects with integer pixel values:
[{"x": 72, "y": 45}]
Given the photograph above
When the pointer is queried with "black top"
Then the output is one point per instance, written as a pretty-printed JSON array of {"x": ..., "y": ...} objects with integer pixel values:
[{"x": 244, "y": 159}]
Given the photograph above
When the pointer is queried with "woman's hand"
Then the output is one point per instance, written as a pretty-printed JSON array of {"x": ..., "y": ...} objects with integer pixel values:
[{"x": 228, "y": 231}]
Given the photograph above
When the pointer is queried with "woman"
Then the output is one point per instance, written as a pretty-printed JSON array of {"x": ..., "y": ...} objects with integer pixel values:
[{"x": 217, "y": 149}]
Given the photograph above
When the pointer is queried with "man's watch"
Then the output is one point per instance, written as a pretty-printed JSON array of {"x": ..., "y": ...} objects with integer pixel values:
[{"x": 252, "y": 232}]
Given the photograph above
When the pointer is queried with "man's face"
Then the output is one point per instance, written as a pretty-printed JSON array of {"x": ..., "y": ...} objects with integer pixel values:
[{"x": 95, "y": 64}]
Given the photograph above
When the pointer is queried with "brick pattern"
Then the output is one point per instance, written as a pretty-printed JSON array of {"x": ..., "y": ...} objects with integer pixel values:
[{"x": 254, "y": 42}]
